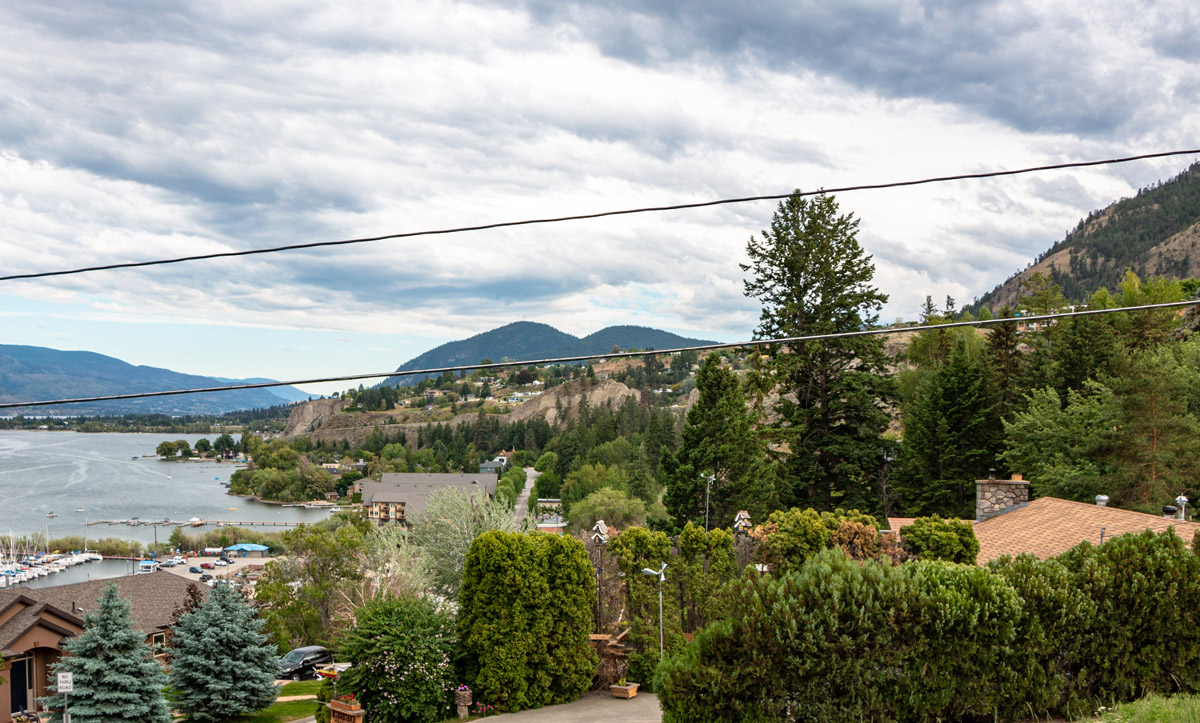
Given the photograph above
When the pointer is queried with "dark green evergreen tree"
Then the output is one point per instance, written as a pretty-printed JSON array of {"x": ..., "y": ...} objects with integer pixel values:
[
  {"x": 1004, "y": 358},
  {"x": 224, "y": 665},
  {"x": 812, "y": 277},
  {"x": 116, "y": 677},
  {"x": 951, "y": 437},
  {"x": 718, "y": 441}
]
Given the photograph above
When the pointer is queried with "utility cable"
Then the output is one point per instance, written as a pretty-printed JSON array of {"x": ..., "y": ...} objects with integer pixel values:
[
  {"x": 587, "y": 216},
  {"x": 610, "y": 355}
]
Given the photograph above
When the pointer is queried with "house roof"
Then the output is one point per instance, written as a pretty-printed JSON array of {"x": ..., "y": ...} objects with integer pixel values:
[
  {"x": 1049, "y": 526},
  {"x": 412, "y": 489},
  {"x": 153, "y": 598}
]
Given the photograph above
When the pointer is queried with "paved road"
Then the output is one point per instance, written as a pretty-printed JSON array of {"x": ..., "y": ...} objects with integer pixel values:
[{"x": 522, "y": 503}]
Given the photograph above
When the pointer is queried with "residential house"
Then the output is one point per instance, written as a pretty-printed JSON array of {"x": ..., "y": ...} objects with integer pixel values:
[
  {"x": 398, "y": 496},
  {"x": 493, "y": 466},
  {"x": 34, "y": 623},
  {"x": 1007, "y": 522}
]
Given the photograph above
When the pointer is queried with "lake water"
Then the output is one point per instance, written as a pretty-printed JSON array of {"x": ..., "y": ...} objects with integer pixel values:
[{"x": 62, "y": 472}]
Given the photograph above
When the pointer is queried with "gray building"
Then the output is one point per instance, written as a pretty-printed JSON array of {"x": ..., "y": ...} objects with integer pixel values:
[{"x": 400, "y": 495}]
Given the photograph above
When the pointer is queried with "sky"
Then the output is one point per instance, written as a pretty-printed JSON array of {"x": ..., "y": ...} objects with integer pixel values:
[{"x": 137, "y": 130}]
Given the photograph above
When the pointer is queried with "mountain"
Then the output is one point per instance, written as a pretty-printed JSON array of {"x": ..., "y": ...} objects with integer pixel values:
[
  {"x": 1155, "y": 233},
  {"x": 527, "y": 341},
  {"x": 30, "y": 373},
  {"x": 287, "y": 394}
]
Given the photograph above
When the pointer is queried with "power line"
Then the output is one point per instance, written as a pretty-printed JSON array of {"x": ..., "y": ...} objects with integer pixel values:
[
  {"x": 610, "y": 355},
  {"x": 587, "y": 216}
]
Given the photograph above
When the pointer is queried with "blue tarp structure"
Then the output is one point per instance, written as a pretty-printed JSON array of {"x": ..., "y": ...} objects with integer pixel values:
[{"x": 247, "y": 546}]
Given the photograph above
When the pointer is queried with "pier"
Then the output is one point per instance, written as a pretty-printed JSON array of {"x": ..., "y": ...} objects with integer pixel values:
[{"x": 198, "y": 523}]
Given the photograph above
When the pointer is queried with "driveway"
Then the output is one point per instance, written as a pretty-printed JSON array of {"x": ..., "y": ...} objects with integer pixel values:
[{"x": 594, "y": 707}]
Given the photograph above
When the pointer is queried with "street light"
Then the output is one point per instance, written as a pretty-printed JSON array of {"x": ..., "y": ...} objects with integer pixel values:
[
  {"x": 600, "y": 539},
  {"x": 709, "y": 479},
  {"x": 659, "y": 573}
]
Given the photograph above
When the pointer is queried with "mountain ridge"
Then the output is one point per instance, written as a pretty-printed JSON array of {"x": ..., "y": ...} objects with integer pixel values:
[
  {"x": 30, "y": 373},
  {"x": 529, "y": 341},
  {"x": 1154, "y": 233}
]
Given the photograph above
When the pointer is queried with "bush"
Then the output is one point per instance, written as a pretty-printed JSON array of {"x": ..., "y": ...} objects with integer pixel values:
[
  {"x": 401, "y": 649},
  {"x": 1146, "y": 633},
  {"x": 1055, "y": 618},
  {"x": 634, "y": 549},
  {"x": 525, "y": 612},
  {"x": 789, "y": 537},
  {"x": 932, "y": 538},
  {"x": 841, "y": 640}
]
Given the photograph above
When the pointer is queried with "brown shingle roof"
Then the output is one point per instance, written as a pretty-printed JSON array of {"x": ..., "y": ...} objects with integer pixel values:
[
  {"x": 1049, "y": 526},
  {"x": 414, "y": 488},
  {"x": 152, "y": 596}
]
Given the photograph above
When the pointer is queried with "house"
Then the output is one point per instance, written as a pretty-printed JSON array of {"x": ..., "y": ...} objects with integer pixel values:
[
  {"x": 493, "y": 466},
  {"x": 34, "y": 623},
  {"x": 1008, "y": 523},
  {"x": 397, "y": 496}
]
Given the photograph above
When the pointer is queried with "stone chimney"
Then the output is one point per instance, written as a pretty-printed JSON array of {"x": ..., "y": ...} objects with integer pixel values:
[{"x": 995, "y": 496}]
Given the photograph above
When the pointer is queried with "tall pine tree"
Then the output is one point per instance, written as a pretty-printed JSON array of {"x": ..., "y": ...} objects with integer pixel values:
[
  {"x": 116, "y": 677},
  {"x": 718, "y": 440},
  {"x": 224, "y": 665},
  {"x": 951, "y": 437},
  {"x": 812, "y": 277}
]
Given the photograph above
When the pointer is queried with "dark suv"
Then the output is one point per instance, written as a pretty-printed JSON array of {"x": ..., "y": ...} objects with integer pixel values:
[{"x": 302, "y": 663}]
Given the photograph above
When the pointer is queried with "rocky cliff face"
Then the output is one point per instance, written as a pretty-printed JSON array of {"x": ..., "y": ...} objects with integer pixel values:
[
  {"x": 308, "y": 418},
  {"x": 569, "y": 396}
]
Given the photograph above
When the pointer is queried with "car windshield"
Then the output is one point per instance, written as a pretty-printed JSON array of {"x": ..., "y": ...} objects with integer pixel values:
[{"x": 294, "y": 657}]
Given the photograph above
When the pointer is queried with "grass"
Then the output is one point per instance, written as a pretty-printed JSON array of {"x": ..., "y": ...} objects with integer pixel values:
[
  {"x": 1154, "y": 709},
  {"x": 303, "y": 687},
  {"x": 280, "y": 712}
]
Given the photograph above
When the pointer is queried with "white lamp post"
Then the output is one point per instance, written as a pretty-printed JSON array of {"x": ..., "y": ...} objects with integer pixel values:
[
  {"x": 599, "y": 539},
  {"x": 659, "y": 573}
]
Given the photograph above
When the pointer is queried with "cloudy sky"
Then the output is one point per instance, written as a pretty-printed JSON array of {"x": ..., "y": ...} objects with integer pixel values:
[{"x": 139, "y": 130}]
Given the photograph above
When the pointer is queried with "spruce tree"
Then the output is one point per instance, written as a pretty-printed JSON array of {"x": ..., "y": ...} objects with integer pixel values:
[
  {"x": 718, "y": 440},
  {"x": 116, "y": 677},
  {"x": 951, "y": 437},
  {"x": 224, "y": 665},
  {"x": 812, "y": 277}
]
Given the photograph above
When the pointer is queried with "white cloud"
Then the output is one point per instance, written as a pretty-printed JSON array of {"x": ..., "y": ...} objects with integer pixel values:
[{"x": 136, "y": 133}]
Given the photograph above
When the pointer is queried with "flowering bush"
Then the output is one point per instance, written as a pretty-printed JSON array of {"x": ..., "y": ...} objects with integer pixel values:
[
  {"x": 401, "y": 648},
  {"x": 482, "y": 710}
]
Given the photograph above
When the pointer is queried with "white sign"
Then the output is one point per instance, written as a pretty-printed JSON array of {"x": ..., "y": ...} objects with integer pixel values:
[{"x": 66, "y": 683}]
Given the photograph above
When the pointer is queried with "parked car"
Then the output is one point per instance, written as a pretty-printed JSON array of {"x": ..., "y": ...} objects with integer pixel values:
[
  {"x": 228, "y": 560},
  {"x": 166, "y": 563},
  {"x": 194, "y": 569},
  {"x": 220, "y": 562},
  {"x": 302, "y": 663},
  {"x": 205, "y": 577},
  {"x": 208, "y": 566},
  {"x": 179, "y": 560}
]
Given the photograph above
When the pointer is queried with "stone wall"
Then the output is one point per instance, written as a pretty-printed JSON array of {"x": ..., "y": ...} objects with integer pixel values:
[{"x": 994, "y": 496}]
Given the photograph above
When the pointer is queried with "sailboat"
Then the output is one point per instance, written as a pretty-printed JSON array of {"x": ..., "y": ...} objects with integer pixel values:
[{"x": 51, "y": 514}]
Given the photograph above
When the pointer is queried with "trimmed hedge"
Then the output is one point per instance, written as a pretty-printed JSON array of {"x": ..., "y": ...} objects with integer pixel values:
[
  {"x": 840, "y": 640},
  {"x": 525, "y": 612},
  {"x": 932, "y": 538}
]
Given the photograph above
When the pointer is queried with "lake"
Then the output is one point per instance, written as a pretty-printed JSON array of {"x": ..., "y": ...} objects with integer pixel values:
[{"x": 106, "y": 476}]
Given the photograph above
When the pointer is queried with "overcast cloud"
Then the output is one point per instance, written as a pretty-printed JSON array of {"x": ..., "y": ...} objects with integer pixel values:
[{"x": 131, "y": 131}]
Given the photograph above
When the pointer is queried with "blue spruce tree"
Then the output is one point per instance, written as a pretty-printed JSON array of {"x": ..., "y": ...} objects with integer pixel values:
[
  {"x": 224, "y": 665},
  {"x": 116, "y": 677}
]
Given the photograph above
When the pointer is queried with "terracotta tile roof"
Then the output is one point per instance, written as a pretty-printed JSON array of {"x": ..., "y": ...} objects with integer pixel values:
[{"x": 1049, "y": 526}]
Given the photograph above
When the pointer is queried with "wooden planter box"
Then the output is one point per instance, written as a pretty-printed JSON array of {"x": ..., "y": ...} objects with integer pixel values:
[
  {"x": 624, "y": 691},
  {"x": 345, "y": 712}
]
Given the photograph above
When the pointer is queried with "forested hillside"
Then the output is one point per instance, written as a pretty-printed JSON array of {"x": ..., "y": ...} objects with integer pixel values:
[{"x": 1155, "y": 233}]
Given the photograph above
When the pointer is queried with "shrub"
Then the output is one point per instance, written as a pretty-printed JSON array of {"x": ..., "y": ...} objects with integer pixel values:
[
  {"x": 826, "y": 642},
  {"x": 525, "y": 612},
  {"x": 1146, "y": 632},
  {"x": 858, "y": 540},
  {"x": 401, "y": 649},
  {"x": 789, "y": 537},
  {"x": 1054, "y": 619},
  {"x": 932, "y": 538}
]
